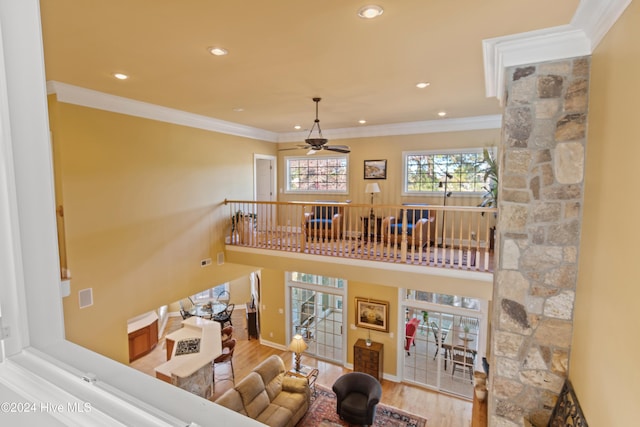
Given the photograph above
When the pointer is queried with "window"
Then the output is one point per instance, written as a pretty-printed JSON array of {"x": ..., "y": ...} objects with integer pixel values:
[
  {"x": 444, "y": 299},
  {"x": 210, "y": 294},
  {"x": 322, "y": 174},
  {"x": 315, "y": 279},
  {"x": 426, "y": 171}
]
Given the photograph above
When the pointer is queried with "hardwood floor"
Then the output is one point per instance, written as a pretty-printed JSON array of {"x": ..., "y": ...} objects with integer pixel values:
[{"x": 440, "y": 410}]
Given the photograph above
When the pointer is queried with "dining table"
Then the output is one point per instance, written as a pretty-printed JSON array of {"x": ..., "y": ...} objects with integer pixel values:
[
  {"x": 207, "y": 310},
  {"x": 457, "y": 337}
]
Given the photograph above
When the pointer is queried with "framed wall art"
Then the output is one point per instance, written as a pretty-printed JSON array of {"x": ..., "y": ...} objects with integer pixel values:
[
  {"x": 375, "y": 169},
  {"x": 372, "y": 314}
]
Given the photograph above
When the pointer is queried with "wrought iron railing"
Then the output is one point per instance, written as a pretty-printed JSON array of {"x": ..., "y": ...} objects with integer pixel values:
[{"x": 429, "y": 235}]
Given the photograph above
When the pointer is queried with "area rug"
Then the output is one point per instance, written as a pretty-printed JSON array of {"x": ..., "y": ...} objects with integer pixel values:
[{"x": 323, "y": 412}]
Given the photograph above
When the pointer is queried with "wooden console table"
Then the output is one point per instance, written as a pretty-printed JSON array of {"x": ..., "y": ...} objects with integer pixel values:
[{"x": 252, "y": 321}]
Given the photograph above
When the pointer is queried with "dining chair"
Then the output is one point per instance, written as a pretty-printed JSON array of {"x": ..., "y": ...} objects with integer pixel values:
[
  {"x": 226, "y": 357},
  {"x": 226, "y": 333},
  {"x": 223, "y": 298},
  {"x": 464, "y": 358},
  {"x": 224, "y": 316},
  {"x": 410, "y": 330},
  {"x": 439, "y": 337},
  {"x": 186, "y": 308}
]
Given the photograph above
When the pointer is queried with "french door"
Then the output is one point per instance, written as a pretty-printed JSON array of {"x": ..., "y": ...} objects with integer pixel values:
[
  {"x": 316, "y": 313},
  {"x": 447, "y": 345}
]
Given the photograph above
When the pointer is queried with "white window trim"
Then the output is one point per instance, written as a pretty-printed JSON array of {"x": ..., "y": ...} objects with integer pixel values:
[
  {"x": 39, "y": 364},
  {"x": 286, "y": 176},
  {"x": 433, "y": 152}
]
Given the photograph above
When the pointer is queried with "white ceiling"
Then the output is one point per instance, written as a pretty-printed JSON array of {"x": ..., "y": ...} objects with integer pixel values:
[{"x": 284, "y": 52}]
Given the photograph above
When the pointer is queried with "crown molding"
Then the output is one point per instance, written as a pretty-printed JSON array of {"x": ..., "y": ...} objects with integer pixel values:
[
  {"x": 533, "y": 47},
  {"x": 596, "y": 17},
  {"x": 93, "y": 99},
  {"x": 409, "y": 128},
  {"x": 103, "y": 101},
  {"x": 590, "y": 23}
]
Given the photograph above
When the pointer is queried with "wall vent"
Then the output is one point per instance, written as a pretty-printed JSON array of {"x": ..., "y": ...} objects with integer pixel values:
[{"x": 85, "y": 297}]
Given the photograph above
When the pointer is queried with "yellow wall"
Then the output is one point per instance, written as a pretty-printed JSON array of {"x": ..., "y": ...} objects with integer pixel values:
[
  {"x": 390, "y": 148},
  {"x": 142, "y": 208},
  {"x": 272, "y": 300},
  {"x": 604, "y": 359},
  {"x": 390, "y": 339},
  {"x": 273, "y": 323}
]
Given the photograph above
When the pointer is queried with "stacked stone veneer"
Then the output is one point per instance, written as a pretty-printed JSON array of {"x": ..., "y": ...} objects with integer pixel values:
[{"x": 542, "y": 158}]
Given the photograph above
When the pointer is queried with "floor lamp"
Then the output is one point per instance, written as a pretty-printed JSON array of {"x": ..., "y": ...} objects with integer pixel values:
[
  {"x": 447, "y": 194},
  {"x": 372, "y": 188}
]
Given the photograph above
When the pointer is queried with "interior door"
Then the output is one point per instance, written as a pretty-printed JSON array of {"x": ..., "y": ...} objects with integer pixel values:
[{"x": 265, "y": 188}]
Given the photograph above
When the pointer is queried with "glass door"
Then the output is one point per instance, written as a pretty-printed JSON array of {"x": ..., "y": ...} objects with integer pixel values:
[
  {"x": 316, "y": 313},
  {"x": 442, "y": 341}
]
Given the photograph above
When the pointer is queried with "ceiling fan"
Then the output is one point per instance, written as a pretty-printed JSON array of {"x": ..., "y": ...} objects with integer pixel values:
[{"x": 320, "y": 143}]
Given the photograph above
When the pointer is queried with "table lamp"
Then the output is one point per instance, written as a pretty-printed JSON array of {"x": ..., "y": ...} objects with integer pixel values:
[
  {"x": 372, "y": 188},
  {"x": 297, "y": 345}
]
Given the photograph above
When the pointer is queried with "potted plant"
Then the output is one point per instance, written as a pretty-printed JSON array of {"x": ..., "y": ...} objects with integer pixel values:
[{"x": 490, "y": 197}]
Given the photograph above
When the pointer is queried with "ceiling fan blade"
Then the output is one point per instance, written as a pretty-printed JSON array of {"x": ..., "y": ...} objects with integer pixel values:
[
  {"x": 337, "y": 148},
  {"x": 298, "y": 147}
]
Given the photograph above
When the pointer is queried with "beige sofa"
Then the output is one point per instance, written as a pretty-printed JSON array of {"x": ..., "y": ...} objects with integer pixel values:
[{"x": 268, "y": 396}]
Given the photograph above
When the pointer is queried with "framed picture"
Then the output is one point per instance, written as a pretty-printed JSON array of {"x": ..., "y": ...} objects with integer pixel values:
[
  {"x": 375, "y": 169},
  {"x": 372, "y": 314}
]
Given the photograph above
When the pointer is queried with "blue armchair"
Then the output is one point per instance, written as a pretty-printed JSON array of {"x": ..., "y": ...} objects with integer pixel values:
[
  {"x": 324, "y": 222},
  {"x": 420, "y": 226}
]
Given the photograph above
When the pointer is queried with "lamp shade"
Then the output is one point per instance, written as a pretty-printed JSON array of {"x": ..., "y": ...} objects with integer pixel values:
[
  {"x": 297, "y": 344},
  {"x": 372, "y": 187}
]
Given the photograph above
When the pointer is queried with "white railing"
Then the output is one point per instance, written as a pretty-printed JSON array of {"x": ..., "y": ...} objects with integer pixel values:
[{"x": 429, "y": 235}]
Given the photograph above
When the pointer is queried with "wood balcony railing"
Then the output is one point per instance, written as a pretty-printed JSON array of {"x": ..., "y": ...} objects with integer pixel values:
[{"x": 428, "y": 235}]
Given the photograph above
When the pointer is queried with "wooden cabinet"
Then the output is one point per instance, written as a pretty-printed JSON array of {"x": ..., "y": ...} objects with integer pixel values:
[
  {"x": 252, "y": 321},
  {"x": 143, "y": 340},
  {"x": 368, "y": 359}
]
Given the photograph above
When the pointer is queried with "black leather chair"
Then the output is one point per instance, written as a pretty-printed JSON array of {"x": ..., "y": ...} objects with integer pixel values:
[{"x": 357, "y": 396}]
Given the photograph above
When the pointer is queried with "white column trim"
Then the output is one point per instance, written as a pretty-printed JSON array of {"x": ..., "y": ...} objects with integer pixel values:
[{"x": 590, "y": 23}]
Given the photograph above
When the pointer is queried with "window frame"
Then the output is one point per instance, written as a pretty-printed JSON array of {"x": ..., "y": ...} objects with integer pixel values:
[
  {"x": 405, "y": 170},
  {"x": 31, "y": 300},
  {"x": 287, "y": 176}
]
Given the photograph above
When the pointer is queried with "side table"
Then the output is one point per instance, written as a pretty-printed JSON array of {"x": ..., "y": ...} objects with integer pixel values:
[
  {"x": 374, "y": 233},
  {"x": 308, "y": 372}
]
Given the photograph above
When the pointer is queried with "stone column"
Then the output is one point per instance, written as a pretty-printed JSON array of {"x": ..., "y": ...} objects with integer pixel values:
[{"x": 542, "y": 159}]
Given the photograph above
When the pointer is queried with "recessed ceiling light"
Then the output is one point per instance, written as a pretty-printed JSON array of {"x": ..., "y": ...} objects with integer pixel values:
[
  {"x": 120, "y": 76},
  {"x": 297, "y": 127},
  {"x": 238, "y": 109},
  {"x": 362, "y": 122},
  {"x": 422, "y": 85},
  {"x": 442, "y": 113},
  {"x": 370, "y": 11},
  {"x": 218, "y": 51}
]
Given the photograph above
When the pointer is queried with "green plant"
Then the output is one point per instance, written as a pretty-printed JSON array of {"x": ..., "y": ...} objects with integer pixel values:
[{"x": 490, "y": 197}]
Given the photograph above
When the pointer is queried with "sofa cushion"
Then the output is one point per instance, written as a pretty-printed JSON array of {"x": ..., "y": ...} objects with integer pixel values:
[
  {"x": 271, "y": 370},
  {"x": 275, "y": 416},
  {"x": 231, "y": 399},
  {"x": 254, "y": 396},
  {"x": 291, "y": 401}
]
